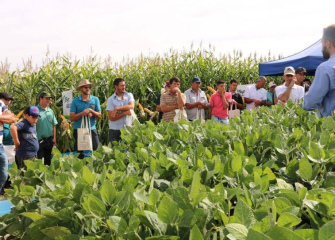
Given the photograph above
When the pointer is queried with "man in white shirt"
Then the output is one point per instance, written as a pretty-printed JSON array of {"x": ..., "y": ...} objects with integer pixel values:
[
  {"x": 255, "y": 95},
  {"x": 289, "y": 90}
]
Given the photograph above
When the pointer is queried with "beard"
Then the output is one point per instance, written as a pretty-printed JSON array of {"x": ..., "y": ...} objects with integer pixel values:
[{"x": 325, "y": 53}]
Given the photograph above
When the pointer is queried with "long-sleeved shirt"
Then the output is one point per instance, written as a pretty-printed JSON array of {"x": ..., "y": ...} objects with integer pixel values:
[{"x": 321, "y": 94}]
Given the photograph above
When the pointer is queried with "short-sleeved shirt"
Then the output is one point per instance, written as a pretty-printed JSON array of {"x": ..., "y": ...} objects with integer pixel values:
[
  {"x": 192, "y": 97},
  {"x": 271, "y": 97},
  {"x": 254, "y": 93},
  {"x": 45, "y": 123},
  {"x": 78, "y": 105},
  {"x": 297, "y": 92},
  {"x": 2, "y": 109},
  {"x": 28, "y": 139},
  {"x": 169, "y": 99},
  {"x": 115, "y": 101},
  {"x": 216, "y": 104},
  {"x": 238, "y": 98},
  {"x": 7, "y": 138}
]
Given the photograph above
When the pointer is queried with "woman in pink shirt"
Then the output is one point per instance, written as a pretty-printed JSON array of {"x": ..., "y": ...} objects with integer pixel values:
[{"x": 219, "y": 103}]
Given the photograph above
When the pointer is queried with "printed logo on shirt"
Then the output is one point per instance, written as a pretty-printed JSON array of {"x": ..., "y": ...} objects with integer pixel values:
[{"x": 92, "y": 106}]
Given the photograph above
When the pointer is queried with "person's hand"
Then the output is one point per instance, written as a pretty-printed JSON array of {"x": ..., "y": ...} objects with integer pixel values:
[
  {"x": 127, "y": 112},
  {"x": 257, "y": 102},
  {"x": 200, "y": 106},
  {"x": 233, "y": 102},
  {"x": 54, "y": 141},
  {"x": 16, "y": 146},
  {"x": 177, "y": 90},
  {"x": 113, "y": 113},
  {"x": 90, "y": 115},
  {"x": 86, "y": 111},
  {"x": 293, "y": 82},
  {"x": 159, "y": 109}
]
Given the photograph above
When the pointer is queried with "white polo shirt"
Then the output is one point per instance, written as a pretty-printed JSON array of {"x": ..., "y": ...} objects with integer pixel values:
[
  {"x": 297, "y": 92},
  {"x": 253, "y": 93}
]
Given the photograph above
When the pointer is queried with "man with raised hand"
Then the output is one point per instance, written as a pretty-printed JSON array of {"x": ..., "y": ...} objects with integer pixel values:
[
  {"x": 321, "y": 94},
  {"x": 289, "y": 90},
  {"x": 237, "y": 99},
  {"x": 196, "y": 101},
  {"x": 85, "y": 105},
  {"x": 46, "y": 128},
  {"x": 119, "y": 105},
  {"x": 255, "y": 95},
  {"x": 172, "y": 100},
  {"x": 219, "y": 103}
]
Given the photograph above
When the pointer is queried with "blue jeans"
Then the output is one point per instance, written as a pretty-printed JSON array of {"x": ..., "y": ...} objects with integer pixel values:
[
  {"x": 221, "y": 120},
  {"x": 3, "y": 166}
]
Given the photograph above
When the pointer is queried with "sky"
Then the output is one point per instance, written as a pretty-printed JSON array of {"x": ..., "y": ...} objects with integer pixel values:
[{"x": 30, "y": 29}]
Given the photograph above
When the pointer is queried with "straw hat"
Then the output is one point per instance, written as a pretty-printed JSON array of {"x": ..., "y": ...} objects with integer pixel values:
[{"x": 84, "y": 82}]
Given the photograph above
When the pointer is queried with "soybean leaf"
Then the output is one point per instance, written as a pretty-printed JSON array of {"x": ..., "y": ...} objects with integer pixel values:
[
  {"x": 255, "y": 235},
  {"x": 96, "y": 206},
  {"x": 156, "y": 222},
  {"x": 167, "y": 210},
  {"x": 288, "y": 220},
  {"x": 280, "y": 233},
  {"x": 195, "y": 234},
  {"x": 305, "y": 169},
  {"x": 327, "y": 231},
  {"x": 107, "y": 192},
  {"x": 88, "y": 176},
  {"x": 243, "y": 214},
  {"x": 118, "y": 224},
  {"x": 56, "y": 231},
  {"x": 308, "y": 234},
  {"x": 239, "y": 231}
]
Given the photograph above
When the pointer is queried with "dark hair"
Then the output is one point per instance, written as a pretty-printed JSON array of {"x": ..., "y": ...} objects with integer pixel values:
[
  {"x": 117, "y": 81},
  {"x": 233, "y": 81},
  {"x": 307, "y": 80},
  {"x": 329, "y": 34},
  {"x": 174, "y": 79},
  {"x": 27, "y": 110},
  {"x": 220, "y": 82}
]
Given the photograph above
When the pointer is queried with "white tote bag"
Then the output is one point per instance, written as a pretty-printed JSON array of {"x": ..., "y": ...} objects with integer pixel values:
[
  {"x": 84, "y": 140},
  {"x": 233, "y": 113},
  {"x": 200, "y": 115},
  {"x": 180, "y": 114}
]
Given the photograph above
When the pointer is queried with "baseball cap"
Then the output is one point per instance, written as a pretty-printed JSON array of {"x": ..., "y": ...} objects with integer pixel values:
[
  {"x": 300, "y": 70},
  {"x": 45, "y": 94},
  {"x": 196, "y": 79},
  {"x": 289, "y": 71},
  {"x": 33, "y": 111},
  {"x": 6, "y": 96},
  {"x": 271, "y": 84}
]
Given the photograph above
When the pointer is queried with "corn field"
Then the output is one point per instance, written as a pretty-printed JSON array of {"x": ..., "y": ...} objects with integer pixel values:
[{"x": 144, "y": 76}]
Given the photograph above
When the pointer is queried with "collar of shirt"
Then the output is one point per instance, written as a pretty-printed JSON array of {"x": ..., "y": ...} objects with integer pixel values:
[
  {"x": 80, "y": 98},
  {"x": 116, "y": 96},
  {"x": 194, "y": 91},
  {"x": 42, "y": 109}
]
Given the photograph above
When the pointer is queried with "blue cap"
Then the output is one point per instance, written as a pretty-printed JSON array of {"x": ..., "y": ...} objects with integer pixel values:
[
  {"x": 196, "y": 79},
  {"x": 33, "y": 111}
]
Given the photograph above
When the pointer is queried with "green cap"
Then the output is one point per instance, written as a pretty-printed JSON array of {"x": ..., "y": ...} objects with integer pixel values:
[{"x": 45, "y": 94}]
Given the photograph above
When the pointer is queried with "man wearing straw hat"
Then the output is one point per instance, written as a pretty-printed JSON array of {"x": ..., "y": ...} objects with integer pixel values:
[
  {"x": 196, "y": 101},
  {"x": 85, "y": 105}
]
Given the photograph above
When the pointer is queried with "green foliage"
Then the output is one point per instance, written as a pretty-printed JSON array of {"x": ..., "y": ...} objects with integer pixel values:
[{"x": 187, "y": 181}]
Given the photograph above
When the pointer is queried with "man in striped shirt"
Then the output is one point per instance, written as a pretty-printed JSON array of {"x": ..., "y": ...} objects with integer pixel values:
[{"x": 172, "y": 100}]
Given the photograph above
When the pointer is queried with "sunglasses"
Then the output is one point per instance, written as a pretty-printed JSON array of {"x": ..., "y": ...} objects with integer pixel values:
[
  {"x": 87, "y": 87},
  {"x": 34, "y": 116}
]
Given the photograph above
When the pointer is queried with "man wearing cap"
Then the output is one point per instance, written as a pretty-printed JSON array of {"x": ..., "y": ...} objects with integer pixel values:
[
  {"x": 25, "y": 136},
  {"x": 172, "y": 100},
  {"x": 46, "y": 128},
  {"x": 196, "y": 101},
  {"x": 300, "y": 74},
  {"x": 321, "y": 94},
  {"x": 158, "y": 102},
  {"x": 5, "y": 117},
  {"x": 255, "y": 94},
  {"x": 119, "y": 106},
  {"x": 271, "y": 95},
  {"x": 289, "y": 90},
  {"x": 85, "y": 105}
]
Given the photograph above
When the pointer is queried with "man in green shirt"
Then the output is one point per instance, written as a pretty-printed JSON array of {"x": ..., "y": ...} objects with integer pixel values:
[{"x": 46, "y": 128}]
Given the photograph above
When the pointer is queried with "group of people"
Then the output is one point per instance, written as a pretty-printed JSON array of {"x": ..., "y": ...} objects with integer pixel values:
[{"x": 35, "y": 136}]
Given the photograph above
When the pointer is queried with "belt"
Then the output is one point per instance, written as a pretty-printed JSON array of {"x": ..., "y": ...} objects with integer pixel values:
[{"x": 45, "y": 139}]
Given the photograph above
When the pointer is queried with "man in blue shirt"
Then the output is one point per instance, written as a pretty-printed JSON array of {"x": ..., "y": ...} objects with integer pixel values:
[
  {"x": 321, "y": 94},
  {"x": 118, "y": 107},
  {"x": 85, "y": 105},
  {"x": 25, "y": 136}
]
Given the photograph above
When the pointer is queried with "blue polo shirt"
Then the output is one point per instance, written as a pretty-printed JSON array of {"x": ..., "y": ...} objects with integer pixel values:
[
  {"x": 28, "y": 139},
  {"x": 115, "y": 101},
  {"x": 78, "y": 105}
]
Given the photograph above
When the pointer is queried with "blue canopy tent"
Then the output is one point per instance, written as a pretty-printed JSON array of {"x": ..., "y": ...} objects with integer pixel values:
[{"x": 310, "y": 58}]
